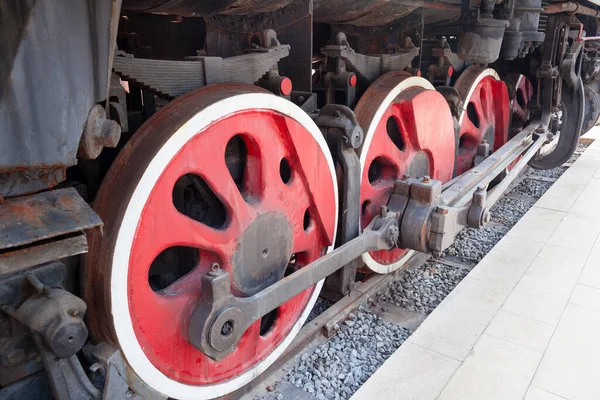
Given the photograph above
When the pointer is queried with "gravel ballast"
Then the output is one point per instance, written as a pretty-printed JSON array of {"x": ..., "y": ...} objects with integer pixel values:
[
  {"x": 320, "y": 305},
  {"x": 337, "y": 368},
  {"x": 423, "y": 288},
  {"x": 554, "y": 173},
  {"x": 509, "y": 211},
  {"x": 532, "y": 188},
  {"x": 473, "y": 244}
]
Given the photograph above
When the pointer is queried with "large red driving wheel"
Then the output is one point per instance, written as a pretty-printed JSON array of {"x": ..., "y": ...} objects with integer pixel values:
[
  {"x": 485, "y": 114},
  {"x": 226, "y": 176},
  {"x": 408, "y": 130}
]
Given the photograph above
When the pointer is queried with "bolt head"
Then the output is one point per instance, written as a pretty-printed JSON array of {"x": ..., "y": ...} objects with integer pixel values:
[
  {"x": 426, "y": 179},
  {"x": 14, "y": 356},
  {"x": 540, "y": 129},
  {"x": 392, "y": 236}
]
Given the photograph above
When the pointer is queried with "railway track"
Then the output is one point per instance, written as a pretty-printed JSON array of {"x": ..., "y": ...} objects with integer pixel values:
[{"x": 401, "y": 299}]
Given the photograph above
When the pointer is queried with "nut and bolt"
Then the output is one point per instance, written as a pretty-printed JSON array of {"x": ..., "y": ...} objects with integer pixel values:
[
  {"x": 215, "y": 269},
  {"x": 227, "y": 328},
  {"x": 392, "y": 236},
  {"x": 426, "y": 179},
  {"x": 481, "y": 188},
  {"x": 405, "y": 177},
  {"x": 12, "y": 356},
  {"x": 540, "y": 129}
]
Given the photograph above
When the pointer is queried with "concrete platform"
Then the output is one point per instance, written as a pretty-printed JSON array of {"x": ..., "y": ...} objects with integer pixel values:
[{"x": 525, "y": 322}]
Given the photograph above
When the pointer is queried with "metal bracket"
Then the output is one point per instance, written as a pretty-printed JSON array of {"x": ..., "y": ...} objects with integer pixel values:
[
  {"x": 448, "y": 64},
  {"x": 369, "y": 68},
  {"x": 54, "y": 317},
  {"x": 120, "y": 382},
  {"x": 67, "y": 377},
  {"x": 228, "y": 35},
  {"x": 560, "y": 85},
  {"x": 344, "y": 135}
]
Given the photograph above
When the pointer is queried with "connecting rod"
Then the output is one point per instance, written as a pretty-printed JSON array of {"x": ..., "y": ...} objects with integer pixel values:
[
  {"x": 221, "y": 318},
  {"x": 420, "y": 215}
]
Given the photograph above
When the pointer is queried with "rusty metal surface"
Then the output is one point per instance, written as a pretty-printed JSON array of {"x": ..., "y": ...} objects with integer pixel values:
[
  {"x": 196, "y": 8},
  {"x": 232, "y": 35},
  {"x": 50, "y": 78},
  {"x": 28, "y": 219},
  {"x": 352, "y": 12},
  {"x": 359, "y": 12},
  {"x": 19, "y": 260},
  {"x": 20, "y": 181},
  {"x": 276, "y": 19},
  {"x": 570, "y": 7},
  {"x": 367, "y": 13}
]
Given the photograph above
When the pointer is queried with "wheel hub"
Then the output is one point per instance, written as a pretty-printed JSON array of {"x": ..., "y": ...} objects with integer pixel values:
[{"x": 262, "y": 253}]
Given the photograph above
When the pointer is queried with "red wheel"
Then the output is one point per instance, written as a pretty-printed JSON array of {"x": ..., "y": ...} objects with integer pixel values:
[
  {"x": 227, "y": 174},
  {"x": 485, "y": 114},
  {"x": 520, "y": 98},
  {"x": 408, "y": 130}
]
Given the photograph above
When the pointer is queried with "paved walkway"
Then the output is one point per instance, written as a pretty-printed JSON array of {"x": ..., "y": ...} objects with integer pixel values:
[{"x": 525, "y": 323}]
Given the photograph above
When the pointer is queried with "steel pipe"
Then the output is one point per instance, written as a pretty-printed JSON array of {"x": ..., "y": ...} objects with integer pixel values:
[{"x": 570, "y": 7}]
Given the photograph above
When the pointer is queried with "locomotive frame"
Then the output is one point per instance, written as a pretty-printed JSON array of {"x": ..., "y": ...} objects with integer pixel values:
[{"x": 272, "y": 119}]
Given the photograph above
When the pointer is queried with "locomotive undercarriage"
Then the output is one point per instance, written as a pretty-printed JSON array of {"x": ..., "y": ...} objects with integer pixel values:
[{"x": 227, "y": 170}]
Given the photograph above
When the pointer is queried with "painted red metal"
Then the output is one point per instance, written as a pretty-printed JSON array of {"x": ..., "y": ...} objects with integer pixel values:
[
  {"x": 285, "y": 86},
  {"x": 426, "y": 130},
  {"x": 485, "y": 116},
  {"x": 159, "y": 318}
]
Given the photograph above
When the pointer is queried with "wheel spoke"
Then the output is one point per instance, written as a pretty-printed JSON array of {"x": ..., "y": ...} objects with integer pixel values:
[
  {"x": 158, "y": 231},
  {"x": 468, "y": 128},
  {"x": 217, "y": 177}
]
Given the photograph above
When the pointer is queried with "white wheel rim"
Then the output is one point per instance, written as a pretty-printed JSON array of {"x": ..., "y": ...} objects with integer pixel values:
[
  {"x": 409, "y": 82},
  {"x": 486, "y": 72},
  {"x": 127, "y": 339}
]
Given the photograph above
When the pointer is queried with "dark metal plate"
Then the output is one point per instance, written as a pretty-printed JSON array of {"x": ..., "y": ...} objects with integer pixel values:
[{"x": 45, "y": 215}]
